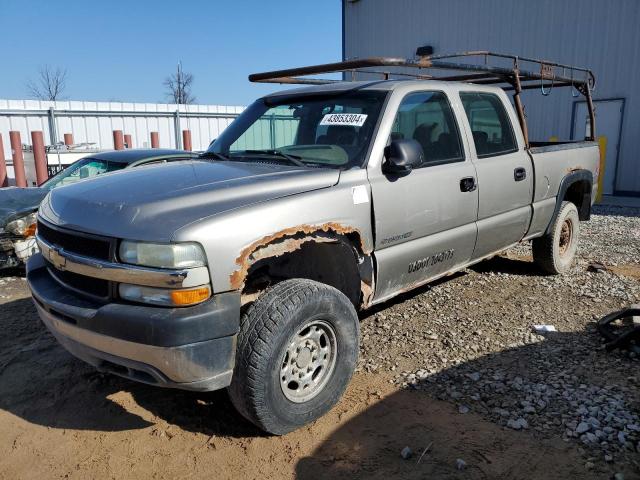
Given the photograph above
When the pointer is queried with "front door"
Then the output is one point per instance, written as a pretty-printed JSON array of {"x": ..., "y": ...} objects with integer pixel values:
[
  {"x": 608, "y": 122},
  {"x": 424, "y": 221},
  {"x": 505, "y": 173}
]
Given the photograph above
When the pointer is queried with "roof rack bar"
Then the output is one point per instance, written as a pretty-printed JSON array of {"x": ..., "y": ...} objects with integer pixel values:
[
  {"x": 298, "y": 81},
  {"x": 531, "y": 86},
  {"x": 474, "y": 77},
  {"x": 488, "y": 53},
  {"x": 547, "y": 71},
  {"x": 516, "y": 78},
  {"x": 330, "y": 68}
]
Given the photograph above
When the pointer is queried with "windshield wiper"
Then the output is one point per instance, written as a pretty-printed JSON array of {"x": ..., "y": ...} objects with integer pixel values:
[
  {"x": 217, "y": 155},
  {"x": 294, "y": 159}
]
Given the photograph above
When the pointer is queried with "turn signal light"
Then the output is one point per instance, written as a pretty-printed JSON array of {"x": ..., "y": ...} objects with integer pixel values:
[
  {"x": 30, "y": 231},
  {"x": 190, "y": 297}
]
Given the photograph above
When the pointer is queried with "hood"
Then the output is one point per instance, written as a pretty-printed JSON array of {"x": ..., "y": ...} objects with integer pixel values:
[
  {"x": 16, "y": 202},
  {"x": 151, "y": 203}
]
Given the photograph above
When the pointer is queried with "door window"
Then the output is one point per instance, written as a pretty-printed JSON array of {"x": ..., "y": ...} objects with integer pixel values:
[
  {"x": 490, "y": 125},
  {"x": 427, "y": 118}
]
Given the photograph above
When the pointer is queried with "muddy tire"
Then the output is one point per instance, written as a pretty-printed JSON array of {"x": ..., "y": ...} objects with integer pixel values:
[
  {"x": 297, "y": 349},
  {"x": 555, "y": 251}
]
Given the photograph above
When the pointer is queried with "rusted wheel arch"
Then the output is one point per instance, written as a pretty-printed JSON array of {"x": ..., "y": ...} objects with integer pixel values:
[{"x": 287, "y": 246}]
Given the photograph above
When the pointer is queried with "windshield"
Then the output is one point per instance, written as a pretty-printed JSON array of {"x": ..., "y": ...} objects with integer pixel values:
[
  {"x": 81, "y": 170},
  {"x": 329, "y": 131}
]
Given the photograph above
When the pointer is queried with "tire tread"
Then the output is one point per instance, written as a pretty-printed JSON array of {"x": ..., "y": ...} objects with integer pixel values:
[{"x": 258, "y": 326}]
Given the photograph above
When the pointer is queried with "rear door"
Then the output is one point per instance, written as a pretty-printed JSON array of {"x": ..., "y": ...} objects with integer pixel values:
[
  {"x": 504, "y": 169},
  {"x": 424, "y": 221}
]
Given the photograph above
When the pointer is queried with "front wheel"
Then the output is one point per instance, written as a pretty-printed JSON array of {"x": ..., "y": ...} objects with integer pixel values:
[
  {"x": 297, "y": 349},
  {"x": 555, "y": 251}
]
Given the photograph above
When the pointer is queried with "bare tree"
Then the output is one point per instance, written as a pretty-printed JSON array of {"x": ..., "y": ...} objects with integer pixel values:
[
  {"x": 50, "y": 84},
  {"x": 179, "y": 87}
]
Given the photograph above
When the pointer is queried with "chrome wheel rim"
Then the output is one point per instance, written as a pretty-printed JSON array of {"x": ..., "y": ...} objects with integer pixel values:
[{"x": 308, "y": 361}]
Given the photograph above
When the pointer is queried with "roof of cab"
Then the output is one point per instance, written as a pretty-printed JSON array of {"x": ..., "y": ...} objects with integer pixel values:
[
  {"x": 136, "y": 154},
  {"x": 377, "y": 85}
]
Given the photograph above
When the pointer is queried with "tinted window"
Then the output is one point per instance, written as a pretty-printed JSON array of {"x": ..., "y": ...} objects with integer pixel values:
[
  {"x": 490, "y": 125},
  {"x": 85, "y": 168},
  {"x": 427, "y": 117}
]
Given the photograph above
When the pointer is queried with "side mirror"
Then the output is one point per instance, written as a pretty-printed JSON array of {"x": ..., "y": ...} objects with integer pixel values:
[{"x": 403, "y": 155}]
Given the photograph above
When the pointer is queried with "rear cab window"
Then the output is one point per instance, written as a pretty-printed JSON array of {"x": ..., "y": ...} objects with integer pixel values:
[{"x": 490, "y": 125}]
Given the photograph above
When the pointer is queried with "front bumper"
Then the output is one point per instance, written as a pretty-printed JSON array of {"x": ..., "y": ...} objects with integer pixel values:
[{"x": 189, "y": 348}]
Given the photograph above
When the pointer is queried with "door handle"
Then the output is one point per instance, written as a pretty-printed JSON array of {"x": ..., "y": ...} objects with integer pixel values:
[
  {"x": 468, "y": 184},
  {"x": 519, "y": 174}
]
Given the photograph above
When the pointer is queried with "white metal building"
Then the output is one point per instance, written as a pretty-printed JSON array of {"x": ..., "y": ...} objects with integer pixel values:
[
  {"x": 603, "y": 36},
  {"x": 94, "y": 123}
]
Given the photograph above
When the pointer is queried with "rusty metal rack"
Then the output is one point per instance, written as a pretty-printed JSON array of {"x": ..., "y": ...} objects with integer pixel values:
[{"x": 522, "y": 73}]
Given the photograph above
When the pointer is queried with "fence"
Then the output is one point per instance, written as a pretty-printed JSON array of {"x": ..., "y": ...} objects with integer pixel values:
[{"x": 94, "y": 122}]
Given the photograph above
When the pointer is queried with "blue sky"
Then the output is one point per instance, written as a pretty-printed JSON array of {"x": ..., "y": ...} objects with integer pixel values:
[{"x": 122, "y": 51}]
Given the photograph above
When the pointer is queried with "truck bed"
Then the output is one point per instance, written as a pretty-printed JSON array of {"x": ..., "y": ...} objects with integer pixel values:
[
  {"x": 552, "y": 162},
  {"x": 539, "y": 147}
]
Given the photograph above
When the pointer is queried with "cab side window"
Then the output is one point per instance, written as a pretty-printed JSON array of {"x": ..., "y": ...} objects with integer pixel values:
[
  {"x": 427, "y": 118},
  {"x": 491, "y": 128}
]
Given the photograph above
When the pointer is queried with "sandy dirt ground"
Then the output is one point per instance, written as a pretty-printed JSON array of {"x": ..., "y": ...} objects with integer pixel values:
[{"x": 59, "y": 418}]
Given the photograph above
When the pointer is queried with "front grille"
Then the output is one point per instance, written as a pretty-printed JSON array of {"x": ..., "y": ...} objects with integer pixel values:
[
  {"x": 89, "y": 285},
  {"x": 80, "y": 243}
]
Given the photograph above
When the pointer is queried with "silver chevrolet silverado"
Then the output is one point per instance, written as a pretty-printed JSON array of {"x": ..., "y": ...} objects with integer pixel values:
[{"x": 245, "y": 268}]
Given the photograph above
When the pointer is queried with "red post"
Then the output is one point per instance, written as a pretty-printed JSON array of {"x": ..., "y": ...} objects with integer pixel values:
[
  {"x": 118, "y": 140},
  {"x": 155, "y": 140},
  {"x": 40, "y": 157},
  {"x": 4, "y": 179},
  {"x": 186, "y": 140},
  {"x": 68, "y": 138},
  {"x": 18, "y": 158},
  {"x": 128, "y": 141}
]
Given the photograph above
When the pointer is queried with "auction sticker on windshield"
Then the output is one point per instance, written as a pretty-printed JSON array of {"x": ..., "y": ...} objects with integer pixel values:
[{"x": 351, "y": 119}]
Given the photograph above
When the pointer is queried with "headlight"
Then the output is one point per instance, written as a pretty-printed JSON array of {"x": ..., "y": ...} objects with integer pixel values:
[
  {"x": 177, "y": 255},
  {"x": 24, "y": 226},
  {"x": 164, "y": 297}
]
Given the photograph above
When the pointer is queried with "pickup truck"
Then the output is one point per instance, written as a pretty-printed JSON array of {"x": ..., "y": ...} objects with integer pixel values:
[{"x": 245, "y": 268}]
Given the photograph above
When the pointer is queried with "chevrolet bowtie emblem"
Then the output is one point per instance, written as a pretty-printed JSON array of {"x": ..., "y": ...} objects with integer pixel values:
[{"x": 56, "y": 258}]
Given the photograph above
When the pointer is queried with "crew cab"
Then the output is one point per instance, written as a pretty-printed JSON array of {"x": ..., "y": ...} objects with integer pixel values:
[{"x": 244, "y": 268}]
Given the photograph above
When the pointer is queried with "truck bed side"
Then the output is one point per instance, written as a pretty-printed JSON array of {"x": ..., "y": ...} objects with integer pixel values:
[{"x": 562, "y": 171}]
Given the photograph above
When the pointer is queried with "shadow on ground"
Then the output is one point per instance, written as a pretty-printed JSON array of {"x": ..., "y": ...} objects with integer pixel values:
[
  {"x": 12, "y": 272},
  {"x": 42, "y": 383},
  {"x": 615, "y": 210},
  {"x": 508, "y": 265},
  {"x": 369, "y": 444}
]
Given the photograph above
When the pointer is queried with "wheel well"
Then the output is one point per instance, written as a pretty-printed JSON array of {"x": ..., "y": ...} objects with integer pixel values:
[
  {"x": 334, "y": 262},
  {"x": 579, "y": 193}
]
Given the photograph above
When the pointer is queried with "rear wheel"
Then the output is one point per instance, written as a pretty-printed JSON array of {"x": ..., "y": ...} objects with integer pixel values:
[
  {"x": 297, "y": 349},
  {"x": 555, "y": 251}
]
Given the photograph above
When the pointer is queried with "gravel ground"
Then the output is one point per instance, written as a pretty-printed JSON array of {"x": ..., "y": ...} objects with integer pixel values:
[{"x": 471, "y": 343}]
